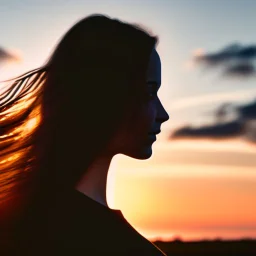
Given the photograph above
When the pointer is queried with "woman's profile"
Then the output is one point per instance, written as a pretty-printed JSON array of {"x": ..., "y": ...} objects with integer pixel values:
[{"x": 61, "y": 125}]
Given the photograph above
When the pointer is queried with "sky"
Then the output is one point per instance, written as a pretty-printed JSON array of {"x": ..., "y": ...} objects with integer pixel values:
[{"x": 189, "y": 188}]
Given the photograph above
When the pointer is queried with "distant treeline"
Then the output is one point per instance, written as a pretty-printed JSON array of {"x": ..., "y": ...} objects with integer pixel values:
[{"x": 245, "y": 247}]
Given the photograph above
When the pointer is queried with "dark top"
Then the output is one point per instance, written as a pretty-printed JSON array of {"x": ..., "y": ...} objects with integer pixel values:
[{"x": 81, "y": 226}]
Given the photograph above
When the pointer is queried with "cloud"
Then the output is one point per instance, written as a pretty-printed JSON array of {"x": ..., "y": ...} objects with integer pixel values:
[
  {"x": 218, "y": 131},
  {"x": 241, "y": 70},
  {"x": 243, "y": 125},
  {"x": 8, "y": 56},
  {"x": 237, "y": 59},
  {"x": 248, "y": 111},
  {"x": 233, "y": 52}
]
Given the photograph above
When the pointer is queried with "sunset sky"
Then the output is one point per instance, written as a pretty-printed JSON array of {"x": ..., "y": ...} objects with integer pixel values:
[{"x": 188, "y": 188}]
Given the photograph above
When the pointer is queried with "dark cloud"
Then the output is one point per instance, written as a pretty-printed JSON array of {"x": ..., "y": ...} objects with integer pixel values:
[
  {"x": 218, "y": 131},
  {"x": 248, "y": 111},
  {"x": 240, "y": 70},
  {"x": 233, "y": 52},
  {"x": 237, "y": 60},
  {"x": 247, "y": 53},
  {"x": 243, "y": 125},
  {"x": 5, "y": 56}
]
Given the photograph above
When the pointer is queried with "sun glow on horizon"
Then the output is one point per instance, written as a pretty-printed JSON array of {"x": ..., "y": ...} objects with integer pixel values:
[{"x": 164, "y": 199}]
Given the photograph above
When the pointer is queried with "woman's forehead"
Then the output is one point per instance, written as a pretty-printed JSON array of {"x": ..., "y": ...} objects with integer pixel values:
[{"x": 154, "y": 68}]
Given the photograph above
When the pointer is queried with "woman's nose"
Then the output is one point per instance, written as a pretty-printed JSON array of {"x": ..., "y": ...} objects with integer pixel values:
[{"x": 162, "y": 114}]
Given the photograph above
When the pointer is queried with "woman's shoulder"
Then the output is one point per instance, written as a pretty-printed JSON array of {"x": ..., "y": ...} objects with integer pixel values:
[
  {"x": 78, "y": 224},
  {"x": 88, "y": 225}
]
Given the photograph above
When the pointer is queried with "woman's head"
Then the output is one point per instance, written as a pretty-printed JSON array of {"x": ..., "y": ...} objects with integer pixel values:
[
  {"x": 111, "y": 66},
  {"x": 95, "y": 95},
  {"x": 96, "y": 88}
]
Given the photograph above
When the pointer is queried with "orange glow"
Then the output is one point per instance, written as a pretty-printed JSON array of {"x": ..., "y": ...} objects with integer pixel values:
[{"x": 164, "y": 199}]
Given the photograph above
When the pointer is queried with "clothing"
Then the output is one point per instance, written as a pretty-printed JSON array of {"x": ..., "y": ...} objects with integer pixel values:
[{"x": 81, "y": 226}]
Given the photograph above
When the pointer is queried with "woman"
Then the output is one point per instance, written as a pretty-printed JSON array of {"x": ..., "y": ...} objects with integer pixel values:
[{"x": 94, "y": 98}]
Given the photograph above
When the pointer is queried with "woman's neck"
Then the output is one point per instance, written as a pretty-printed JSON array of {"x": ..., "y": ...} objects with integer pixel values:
[{"x": 94, "y": 181}]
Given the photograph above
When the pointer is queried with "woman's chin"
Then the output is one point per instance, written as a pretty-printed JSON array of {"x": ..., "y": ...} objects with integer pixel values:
[{"x": 142, "y": 154}]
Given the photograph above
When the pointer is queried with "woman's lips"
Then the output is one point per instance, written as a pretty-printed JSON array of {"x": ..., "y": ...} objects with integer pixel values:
[{"x": 155, "y": 133}]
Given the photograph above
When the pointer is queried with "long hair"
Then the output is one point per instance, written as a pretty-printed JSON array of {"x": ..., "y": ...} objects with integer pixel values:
[{"x": 54, "y": 120}]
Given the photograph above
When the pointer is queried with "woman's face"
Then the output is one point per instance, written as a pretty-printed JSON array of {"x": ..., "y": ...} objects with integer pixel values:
[{"x": 134, "y": 139}]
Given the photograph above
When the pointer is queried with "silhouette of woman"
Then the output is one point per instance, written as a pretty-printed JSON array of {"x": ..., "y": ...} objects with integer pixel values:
[{"x": 61, "y": 125}]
